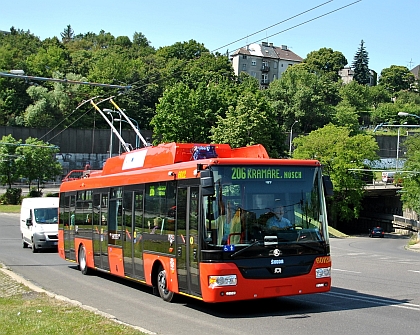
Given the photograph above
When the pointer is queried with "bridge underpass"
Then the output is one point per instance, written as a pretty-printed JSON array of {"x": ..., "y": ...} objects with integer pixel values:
[{"x": 380, "y": 204}]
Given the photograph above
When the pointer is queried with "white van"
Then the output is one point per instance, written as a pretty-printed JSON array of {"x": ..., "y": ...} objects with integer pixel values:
[
  {"x": 388, "y": 177},
  {"x": 39, "y": 223}
]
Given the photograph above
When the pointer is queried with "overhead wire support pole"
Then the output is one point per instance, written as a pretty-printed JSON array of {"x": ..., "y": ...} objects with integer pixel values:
[
  {"x": 114, "y": 130},
  {"x": 64, "y": 81}
]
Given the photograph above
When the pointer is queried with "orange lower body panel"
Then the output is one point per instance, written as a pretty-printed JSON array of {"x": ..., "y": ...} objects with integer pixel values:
[
  {"x": 116, "y": 263},
  {"x": 61, "y": 244},
  {"x": 169, "y": 265}
]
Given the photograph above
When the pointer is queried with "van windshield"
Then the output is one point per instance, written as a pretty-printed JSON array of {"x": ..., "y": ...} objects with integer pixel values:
[{"x": 46, "y": 215}]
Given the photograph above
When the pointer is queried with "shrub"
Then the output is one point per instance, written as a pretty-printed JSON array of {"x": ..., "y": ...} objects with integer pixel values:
[
  {"x": 12, "y": 196},
  {"x": 34, "y": 193}
]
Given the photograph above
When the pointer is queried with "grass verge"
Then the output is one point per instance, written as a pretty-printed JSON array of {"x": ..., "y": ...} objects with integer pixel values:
[
  {"x": 23, "y": 311},
  {"x": 9, "y": 208}
]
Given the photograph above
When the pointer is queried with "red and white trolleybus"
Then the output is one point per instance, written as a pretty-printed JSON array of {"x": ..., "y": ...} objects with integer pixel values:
[{"x": 206, "y": 221}]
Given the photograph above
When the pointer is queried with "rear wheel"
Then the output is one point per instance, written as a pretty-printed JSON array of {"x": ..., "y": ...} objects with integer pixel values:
[
  {"x": 82, "y": 260},
  {"x": 164, "y": 293}
]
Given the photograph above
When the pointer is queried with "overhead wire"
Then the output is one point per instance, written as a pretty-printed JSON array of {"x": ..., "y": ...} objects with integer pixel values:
[
  {"x": 259, "y": 31},
  {"x": 313, "y": 19},
  {"x": 273, "y": 25}
]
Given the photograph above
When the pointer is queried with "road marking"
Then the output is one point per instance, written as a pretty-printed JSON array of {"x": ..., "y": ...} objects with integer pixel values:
[
  {"x": 345, "y": 271},
  {"x": 414, "y": 271},
  {"x": 378, "y": 301}
]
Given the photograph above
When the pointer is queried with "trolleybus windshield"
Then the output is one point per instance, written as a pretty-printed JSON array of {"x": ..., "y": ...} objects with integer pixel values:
[{"x": 259, "y": 208}]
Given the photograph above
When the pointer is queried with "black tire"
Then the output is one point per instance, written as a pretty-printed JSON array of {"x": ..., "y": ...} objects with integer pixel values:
[
  {"x": 34, "y": 249},
  {"x": 82, "y": 260},
  {"x": 24, "y": 244},
  {"x": 164, "y": 293}
]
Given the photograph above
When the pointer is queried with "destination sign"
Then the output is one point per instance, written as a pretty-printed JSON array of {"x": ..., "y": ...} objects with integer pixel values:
[{"x": 241, "y": 173}]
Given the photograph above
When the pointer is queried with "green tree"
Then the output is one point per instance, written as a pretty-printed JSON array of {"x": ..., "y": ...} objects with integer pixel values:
[
  {"x": 378, "y": 94},
  {"x": 67, "y": 35},
  {"x": 52, "y": 107},
  {"x": 346, "y": 116},
  {"x": 356, "y": 95},
  {"x": 388, "y": 112},
  {"x": 185, "y": 50},
  {"x": 8, "y": 170},
  {"x": 361, "y": 65},
  {"x": 325, "y": 61},
  {"x": 177, "y": 118},
  {"x": 304, "y": 96},
  {"x": 411, "y": 177},
  {"x": 15, "y": 48},
  {"x": 47, "y": 61},
  {"x": 36, "y": 161},
  {"x": 141, "y": 45},
  {"x": 187, "y": 115},
  {"x": 339, "y": 153},
  {"x": 251, "y": 122},
  {"x": 396, "y": 78}
]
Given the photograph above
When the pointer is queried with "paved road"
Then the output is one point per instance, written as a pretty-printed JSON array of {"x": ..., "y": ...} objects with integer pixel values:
[{"x": 376, "y": 290}]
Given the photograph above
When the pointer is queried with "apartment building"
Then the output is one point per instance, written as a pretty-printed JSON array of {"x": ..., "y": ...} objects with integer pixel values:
[
  {"x": 264, "y": 61},
  {"x": 347, "y": 75}
]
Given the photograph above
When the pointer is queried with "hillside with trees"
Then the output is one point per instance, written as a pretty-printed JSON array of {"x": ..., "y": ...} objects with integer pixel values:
[{"x": 185, "y": 93}]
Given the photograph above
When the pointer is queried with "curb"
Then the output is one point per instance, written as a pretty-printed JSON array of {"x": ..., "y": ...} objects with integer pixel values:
[{"x": 37, "y": 289}]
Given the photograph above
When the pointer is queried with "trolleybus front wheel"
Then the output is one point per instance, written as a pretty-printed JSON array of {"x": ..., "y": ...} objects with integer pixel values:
[{"x": 164, "y": 293}]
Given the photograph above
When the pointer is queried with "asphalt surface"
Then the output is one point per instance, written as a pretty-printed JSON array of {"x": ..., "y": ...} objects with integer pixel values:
[{"x": 11, "y": 284}]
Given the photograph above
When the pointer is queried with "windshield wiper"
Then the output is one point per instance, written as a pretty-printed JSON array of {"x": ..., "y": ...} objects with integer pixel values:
[{"x": 246, "y": 248}]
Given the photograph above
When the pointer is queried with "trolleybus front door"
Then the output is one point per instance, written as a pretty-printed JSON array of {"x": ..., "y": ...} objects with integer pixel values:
[
  {"x": 187, "y": 240},
  {"x": 100, "y": 232}
]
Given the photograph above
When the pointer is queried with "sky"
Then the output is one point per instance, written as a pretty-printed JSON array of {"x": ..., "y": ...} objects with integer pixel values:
[{"x": 389, "y": 28}]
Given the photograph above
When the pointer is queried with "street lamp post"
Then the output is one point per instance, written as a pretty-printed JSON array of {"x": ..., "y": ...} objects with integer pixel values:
[
  {"x": 109, "y": 112},
  {"x": 408, "y": 114},
  {"x": 110, "y": 138},
  {"x": 138, "y": 128},
  {"x": 291, "y": 137}
]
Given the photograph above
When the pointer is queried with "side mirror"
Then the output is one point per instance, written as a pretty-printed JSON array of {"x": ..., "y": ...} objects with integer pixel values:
[
  {"x": 29, "y": 222},
  {"x": 207, "y": 182},
  {"x": 328, "y": 186}
]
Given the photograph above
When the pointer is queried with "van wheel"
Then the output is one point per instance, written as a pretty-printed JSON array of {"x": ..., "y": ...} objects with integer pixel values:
[
  {"x": 82, "y": 260},
  {"x": 34, "y": 249},
  {"x": 24, "y": 244},
  {"x": 164, "y": 293}
]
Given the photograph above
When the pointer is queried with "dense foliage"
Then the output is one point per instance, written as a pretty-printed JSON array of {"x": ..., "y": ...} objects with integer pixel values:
[
  {"x": 341, "y": 154},
  {"x": 185, "y": 93},
  {"x": 411, "y": 175}
]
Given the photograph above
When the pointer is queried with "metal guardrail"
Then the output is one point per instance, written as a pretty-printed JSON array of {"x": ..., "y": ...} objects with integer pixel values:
[{"x": 401, "y": 222}]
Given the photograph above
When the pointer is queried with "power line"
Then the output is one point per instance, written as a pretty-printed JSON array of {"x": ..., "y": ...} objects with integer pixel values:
[
  {"x": 313, "y": 19},
  {"x": 295, "y": 26},
  {"x": 64, "y": 81},
  {"x": 276, "y": 24}
]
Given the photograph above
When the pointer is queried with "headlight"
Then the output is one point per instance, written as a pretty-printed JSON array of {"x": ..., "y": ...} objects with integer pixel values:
[
  {"x": 323, "y": 272},
  {"x": 216, "y": 281}
]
